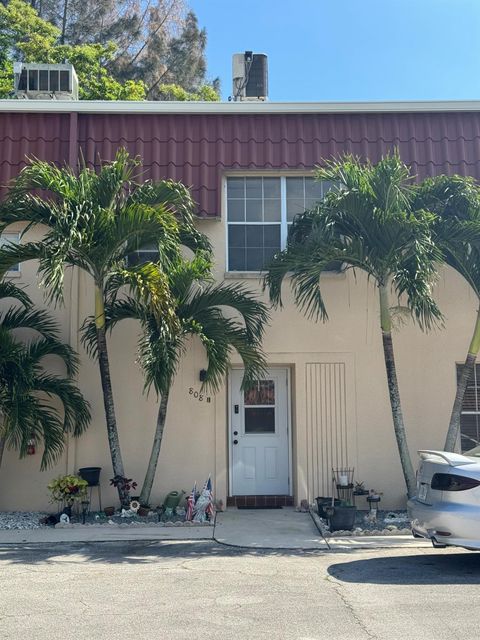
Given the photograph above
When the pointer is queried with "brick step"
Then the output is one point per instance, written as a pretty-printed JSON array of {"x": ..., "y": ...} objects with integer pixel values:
[{"x": 260, "y": 501}]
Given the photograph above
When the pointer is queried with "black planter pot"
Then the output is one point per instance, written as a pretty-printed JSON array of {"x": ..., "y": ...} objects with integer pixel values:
[
  {"x": 91, "y": 475},
  {"x": 343, "y": 518},
  {"x": 323, "y": 502}
]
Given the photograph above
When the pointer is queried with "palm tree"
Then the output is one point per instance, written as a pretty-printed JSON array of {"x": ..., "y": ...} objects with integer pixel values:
[
  {"x": 225, "y": 318},
  {"x": 94, "y": 222},
  {"x": 365, "y": 222},
  {"x": 28, "y": 410},
  {"x": 456, "y": 202}
]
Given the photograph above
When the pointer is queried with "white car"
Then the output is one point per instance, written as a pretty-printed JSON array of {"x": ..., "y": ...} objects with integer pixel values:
[{"x": 446, "y": 508}]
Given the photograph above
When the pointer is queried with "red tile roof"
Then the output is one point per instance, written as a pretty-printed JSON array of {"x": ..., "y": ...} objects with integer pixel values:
[{"x": 198, "y": 148}]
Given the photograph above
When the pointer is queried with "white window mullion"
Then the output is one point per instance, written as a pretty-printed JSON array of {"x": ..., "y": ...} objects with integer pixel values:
[{"x": 283, "y": 212}]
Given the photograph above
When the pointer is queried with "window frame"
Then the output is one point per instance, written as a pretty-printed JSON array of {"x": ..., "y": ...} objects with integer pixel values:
[
  {"x": 476, "y": 383},
  {"x": 284, "y": 222},
  {"x": 16, "y": 272}
]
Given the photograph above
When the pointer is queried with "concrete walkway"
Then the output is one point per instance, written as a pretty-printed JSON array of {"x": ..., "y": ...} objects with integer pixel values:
[
  {"x": 288, "y": 529},
  {"x": 268, "y": 528}
]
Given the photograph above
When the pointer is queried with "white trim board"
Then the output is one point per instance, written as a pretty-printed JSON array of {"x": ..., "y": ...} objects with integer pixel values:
[{"x": 123, "y": 106}]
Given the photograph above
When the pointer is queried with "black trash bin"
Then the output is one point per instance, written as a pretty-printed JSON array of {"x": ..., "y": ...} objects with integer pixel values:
[{"x": 91, "y": 475}]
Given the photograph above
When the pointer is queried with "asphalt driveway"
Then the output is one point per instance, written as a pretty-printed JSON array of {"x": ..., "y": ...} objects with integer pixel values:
[{"x": 168, "y": 591}]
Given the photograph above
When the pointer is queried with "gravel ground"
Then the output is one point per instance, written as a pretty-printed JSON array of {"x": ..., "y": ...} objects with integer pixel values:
[
  {"x": 21, "y": 519},
  {"x": 32, "y": 519},
  {"x": 386, "y": 523}
]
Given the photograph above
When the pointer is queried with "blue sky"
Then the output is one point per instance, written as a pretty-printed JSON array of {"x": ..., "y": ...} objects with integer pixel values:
[{"x": 350, "y": 49}]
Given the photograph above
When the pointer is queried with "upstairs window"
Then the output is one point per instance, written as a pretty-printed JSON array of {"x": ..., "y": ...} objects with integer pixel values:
[{"x": 259, "y": 213}]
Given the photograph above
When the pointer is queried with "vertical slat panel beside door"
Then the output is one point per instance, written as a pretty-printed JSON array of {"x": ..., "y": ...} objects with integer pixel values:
[{"x": 327, "y": 424}]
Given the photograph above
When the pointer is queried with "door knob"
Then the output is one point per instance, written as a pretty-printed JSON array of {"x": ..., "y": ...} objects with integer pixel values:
[{"x": 235, "y": 442}]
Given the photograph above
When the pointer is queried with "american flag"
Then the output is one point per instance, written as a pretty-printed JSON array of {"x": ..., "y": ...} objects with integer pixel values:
[
  {"x": 210, "y": 510},
  {"x": 191, "y": 503}
]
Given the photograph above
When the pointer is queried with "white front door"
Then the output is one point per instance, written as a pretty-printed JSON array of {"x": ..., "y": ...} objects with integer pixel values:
[{"x": 259, "y": 435}]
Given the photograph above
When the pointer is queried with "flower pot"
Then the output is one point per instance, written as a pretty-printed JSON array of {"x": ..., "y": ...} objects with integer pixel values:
[
  {"x": 325, "y": 502},
  {"x": 143, "y": 511},
  {"x": 343, "y": 518},
  {"x": 90, "y": 475},
  {"x": 109, "y": 511}
]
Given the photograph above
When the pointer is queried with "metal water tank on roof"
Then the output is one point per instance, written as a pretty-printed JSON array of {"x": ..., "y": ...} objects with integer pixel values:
[
  {"x": 45, "y": 81},
  {"x": 250, "y": 76}
]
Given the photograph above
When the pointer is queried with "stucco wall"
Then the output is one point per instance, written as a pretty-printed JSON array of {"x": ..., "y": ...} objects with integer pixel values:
[{"x": 196, "y": 441}]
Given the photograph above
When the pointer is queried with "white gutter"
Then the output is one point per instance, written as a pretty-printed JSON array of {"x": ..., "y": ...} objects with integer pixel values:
[{"x": 94, "y": 106}]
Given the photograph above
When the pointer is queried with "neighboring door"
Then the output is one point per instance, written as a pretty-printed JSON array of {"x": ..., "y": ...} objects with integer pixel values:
[{"x": 259, "y": 435}]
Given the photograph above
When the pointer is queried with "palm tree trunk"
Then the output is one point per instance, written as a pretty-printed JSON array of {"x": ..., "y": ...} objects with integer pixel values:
[
  {"x": 2, "y": 449},
  {"x": 155, "y": 453},
  {"x": 112, "y": 431},
  {"x": 398, "y": 424},
  {"x": 454, "y": 426}
]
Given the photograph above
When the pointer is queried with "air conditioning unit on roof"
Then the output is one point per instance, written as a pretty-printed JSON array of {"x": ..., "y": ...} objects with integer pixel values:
[
  {"x": 250, "y": 76},
  {"x": 45, "y": 81}
]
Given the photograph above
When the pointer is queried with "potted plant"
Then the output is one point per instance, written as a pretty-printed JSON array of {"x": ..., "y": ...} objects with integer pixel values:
[
  {"x": 359, "y": 489},
  {"x": 342, "y": 516},
  {"x": 67, "y": 490},
  {"x": 323, "y": 503},
  {"x": 126, "y": 485}
]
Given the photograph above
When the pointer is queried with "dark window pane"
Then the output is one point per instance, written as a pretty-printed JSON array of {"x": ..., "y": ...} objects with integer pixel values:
[
  {"x": 272, "y": 210},
  {"x": 236, "y": 188},
  {"x": 255, "y": 260},
  {"x": 295, "y": 188},
  {"x": 254, "y": 235},
  {"x": 271, "y": 235},
  {"x": 268, "y": 254},
  {"x": 262, "y": 392},
  {"x": 294, "y": 207},
  {"x": 54, "y": 83},
  {"x": 260, "y": 420},
  {"x": 236, "y": 210},
  {"x": 64, "y": 81},
  {"x": 254, "y": 210},
  {"x": 313, "y": 189},
  {"x": 253, "y": 188},
  {"x": 271, "y": 188},
  {"x": 236, "y": 235},
  {"x": 236, "y": 260},
  {"x": 43, "y": 80}
]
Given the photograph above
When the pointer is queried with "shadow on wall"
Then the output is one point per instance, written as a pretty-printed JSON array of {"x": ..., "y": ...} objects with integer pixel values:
[{"x": 449, "y": 567}]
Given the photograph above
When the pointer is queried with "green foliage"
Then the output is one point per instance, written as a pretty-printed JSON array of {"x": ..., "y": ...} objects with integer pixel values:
[
  {"x": 226, "y": 318},
  {"x": 27, "y": 389},
  {"x": 175, "y": 92},
  {"x": 24, "y": 36},
  {"x": 68, "y": 489},
  {"x": 96, "y": 220},
  {"x": 368, "y": 221},
  {"x": 119, "y": 53}
]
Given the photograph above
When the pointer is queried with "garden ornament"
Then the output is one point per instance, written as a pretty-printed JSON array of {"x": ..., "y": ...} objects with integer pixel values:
[{"x": 64, "y": 519}]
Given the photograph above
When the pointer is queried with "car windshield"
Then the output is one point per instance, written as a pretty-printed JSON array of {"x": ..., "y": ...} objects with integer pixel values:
[{"x": 473, "y": 453}]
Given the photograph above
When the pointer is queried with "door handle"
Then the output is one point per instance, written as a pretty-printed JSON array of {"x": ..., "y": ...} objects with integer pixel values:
[{"x": 235, "y": 442}]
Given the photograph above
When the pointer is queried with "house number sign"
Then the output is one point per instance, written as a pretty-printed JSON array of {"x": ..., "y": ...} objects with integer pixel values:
[{"x": 201, "y": 397}]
